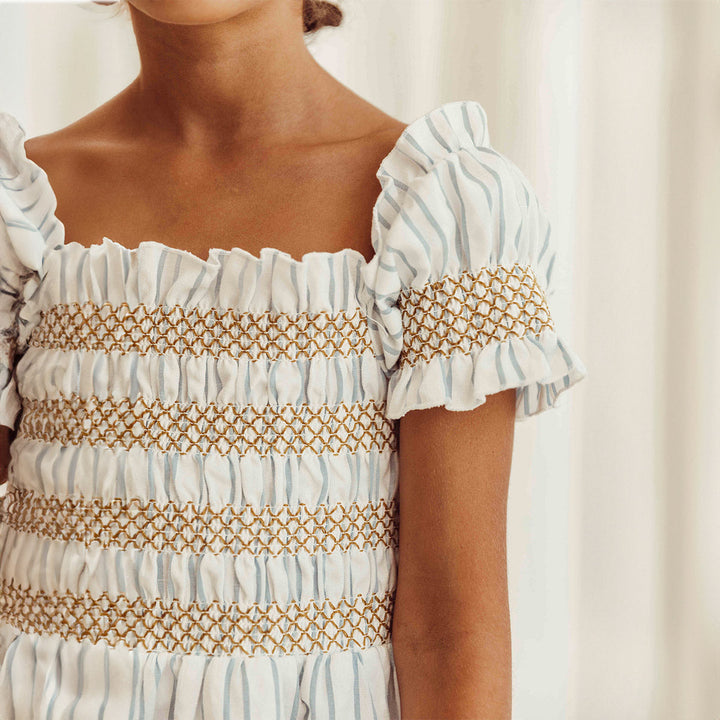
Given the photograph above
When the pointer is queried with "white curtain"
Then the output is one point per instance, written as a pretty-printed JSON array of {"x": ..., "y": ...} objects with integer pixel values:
[{"x": 612, "y": 110}]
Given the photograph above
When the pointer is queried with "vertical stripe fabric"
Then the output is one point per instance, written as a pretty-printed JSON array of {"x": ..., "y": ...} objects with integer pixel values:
[{"x": 201, "y": 516}]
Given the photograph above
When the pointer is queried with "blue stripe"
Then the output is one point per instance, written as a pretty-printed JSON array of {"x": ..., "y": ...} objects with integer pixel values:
[
  {"x": 498, "y": 366},
  {"x": 356, "y": 685},
  {"x": 57, "y": 678},
  {"x": 515, "y": 362},
  {"x": 416, "y": 145},
  {"x": 436, "y": 134},
  {"x": 226, "y": 691},
  {"x": 8, "y": 661},
  {"x": 276, "y": 686},
  {"x": 329, "y": 684},
  {"x": 106, "y": 657},
  {"x": 246, "y": 691},
  {"x": 80, "y": 671}
]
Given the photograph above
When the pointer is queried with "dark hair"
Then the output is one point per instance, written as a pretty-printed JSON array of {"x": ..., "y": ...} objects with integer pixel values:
[{"x": 320, "y": 13}]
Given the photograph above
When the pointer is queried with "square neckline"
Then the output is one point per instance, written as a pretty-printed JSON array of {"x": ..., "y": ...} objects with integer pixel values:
[{"x": 215, "y": 253}]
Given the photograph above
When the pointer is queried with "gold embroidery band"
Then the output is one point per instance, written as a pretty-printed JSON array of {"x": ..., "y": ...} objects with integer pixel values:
[
  {"x": 90, "y": 327},
  {"x": 213, "y": 629},
  {"x": 191, "y": 427},
  {"x": 460, "y": 314},
  {"x": 133, "y": 524}
]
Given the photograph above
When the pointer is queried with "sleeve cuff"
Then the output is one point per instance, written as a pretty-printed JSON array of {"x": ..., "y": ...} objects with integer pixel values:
[{"x": 541, "y": 367}]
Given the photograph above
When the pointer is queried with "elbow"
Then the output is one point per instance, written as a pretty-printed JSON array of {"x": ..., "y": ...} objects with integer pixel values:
[{"x": 453, "y": 669}]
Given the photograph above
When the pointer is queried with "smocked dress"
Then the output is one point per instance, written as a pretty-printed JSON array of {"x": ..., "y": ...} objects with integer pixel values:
[{"x": 201, "y": 518}]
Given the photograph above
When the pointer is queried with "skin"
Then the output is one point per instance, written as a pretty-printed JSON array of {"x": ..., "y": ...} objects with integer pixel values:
[
  {"x": 229, "y": 112},
  {"x": 451, "y": 623}
]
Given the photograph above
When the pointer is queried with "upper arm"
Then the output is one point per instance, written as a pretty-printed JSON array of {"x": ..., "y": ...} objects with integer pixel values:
[{"x": 454, "y": 474}]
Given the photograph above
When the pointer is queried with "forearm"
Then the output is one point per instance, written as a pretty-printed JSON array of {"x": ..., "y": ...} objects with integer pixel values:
[
  {"x": 468, "y": 678},
  {"x": 451, "y": 619}
]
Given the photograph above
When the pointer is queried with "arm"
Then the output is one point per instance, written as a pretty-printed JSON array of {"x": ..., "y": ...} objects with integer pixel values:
[{"x": 451, "y": 625}]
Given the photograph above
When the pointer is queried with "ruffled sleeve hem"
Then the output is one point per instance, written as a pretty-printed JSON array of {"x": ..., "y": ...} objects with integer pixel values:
[
  {"x": 29, "y": 230},
  {"x": 9, "y": 399},
  {"x": 540, "y": 367}
]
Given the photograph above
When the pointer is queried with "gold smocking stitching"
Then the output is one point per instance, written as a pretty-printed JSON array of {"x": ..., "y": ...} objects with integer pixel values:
[
  {"x": 461, "y": 314},
  {"x": 191, "y": 427},
  {"x": 138, "y": 525},
  {"x": 89, "y": 327},
  {"x": 213, "y": 628}
]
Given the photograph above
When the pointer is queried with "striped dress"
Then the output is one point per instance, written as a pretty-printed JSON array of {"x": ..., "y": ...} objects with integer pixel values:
[{"x": 200, "y": 519}]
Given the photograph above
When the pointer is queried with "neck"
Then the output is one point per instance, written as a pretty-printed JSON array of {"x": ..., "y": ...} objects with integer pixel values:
[{"x": 241, "y": 79}]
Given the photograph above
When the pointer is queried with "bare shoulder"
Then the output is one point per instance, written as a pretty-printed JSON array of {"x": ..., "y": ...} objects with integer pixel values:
[
  {"x": 386, "y": 129},
  {"x": 76, "y": 149},
  {"x": 48, "y": 148},
  {"x": 363, "y": 120},
  {"x": 380, "y": 137},
  {"x": 388, "y": 137}
]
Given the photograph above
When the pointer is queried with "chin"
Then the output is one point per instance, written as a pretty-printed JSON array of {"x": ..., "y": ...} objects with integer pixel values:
[{"x": 193, "y": 12}]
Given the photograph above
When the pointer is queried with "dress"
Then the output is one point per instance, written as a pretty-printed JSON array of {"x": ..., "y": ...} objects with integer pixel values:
[{"x": 200, "y": 519}]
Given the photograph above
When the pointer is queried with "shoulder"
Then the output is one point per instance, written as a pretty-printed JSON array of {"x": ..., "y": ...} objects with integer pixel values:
[
  {"x": 451, "y": 128},
  {"x": 449, "y": 147},
  {"x": 67, "y": 153},
  {"x": 28, "y": 225},
  {"x": 451, "y": 203},
  {"x": 13, "y": 162},
  {"x": 20, "y": 154}
]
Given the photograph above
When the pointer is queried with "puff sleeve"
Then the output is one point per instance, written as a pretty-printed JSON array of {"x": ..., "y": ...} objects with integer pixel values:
[
  {"x": 28, "y": 227},
  {"x": 463, "y": 270}
]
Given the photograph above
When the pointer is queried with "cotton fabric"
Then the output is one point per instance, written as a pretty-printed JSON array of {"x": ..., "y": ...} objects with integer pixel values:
[{"x": 200, "y": 519}]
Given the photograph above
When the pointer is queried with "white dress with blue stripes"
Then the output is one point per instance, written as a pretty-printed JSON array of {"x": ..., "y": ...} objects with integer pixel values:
[{"x": 200, "y": 518}]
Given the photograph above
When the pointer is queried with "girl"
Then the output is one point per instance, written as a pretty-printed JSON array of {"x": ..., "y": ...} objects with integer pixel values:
[{"x": 230, "y": 357}]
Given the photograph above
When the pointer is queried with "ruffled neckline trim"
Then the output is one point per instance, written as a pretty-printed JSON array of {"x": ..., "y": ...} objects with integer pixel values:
[
  {"x": 216, "y": 254},
  {"x": 394, "y": 166}
]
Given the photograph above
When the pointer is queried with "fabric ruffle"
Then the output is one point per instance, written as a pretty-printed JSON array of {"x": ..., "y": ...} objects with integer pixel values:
[
  {"x": 462, "y": 382},
  {"x": 28, "y": 231},
  {"x": 268, "y": 297},
  {"x": 458, "y": 222},
  {"x": 48, "y": 677}
]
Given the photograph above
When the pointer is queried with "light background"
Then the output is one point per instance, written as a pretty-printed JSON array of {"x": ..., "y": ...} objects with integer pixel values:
[{"x": 612, "y": 110}]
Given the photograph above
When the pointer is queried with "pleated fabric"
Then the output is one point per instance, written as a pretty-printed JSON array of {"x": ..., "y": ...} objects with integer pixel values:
[{"x": 201, "y": 516}]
